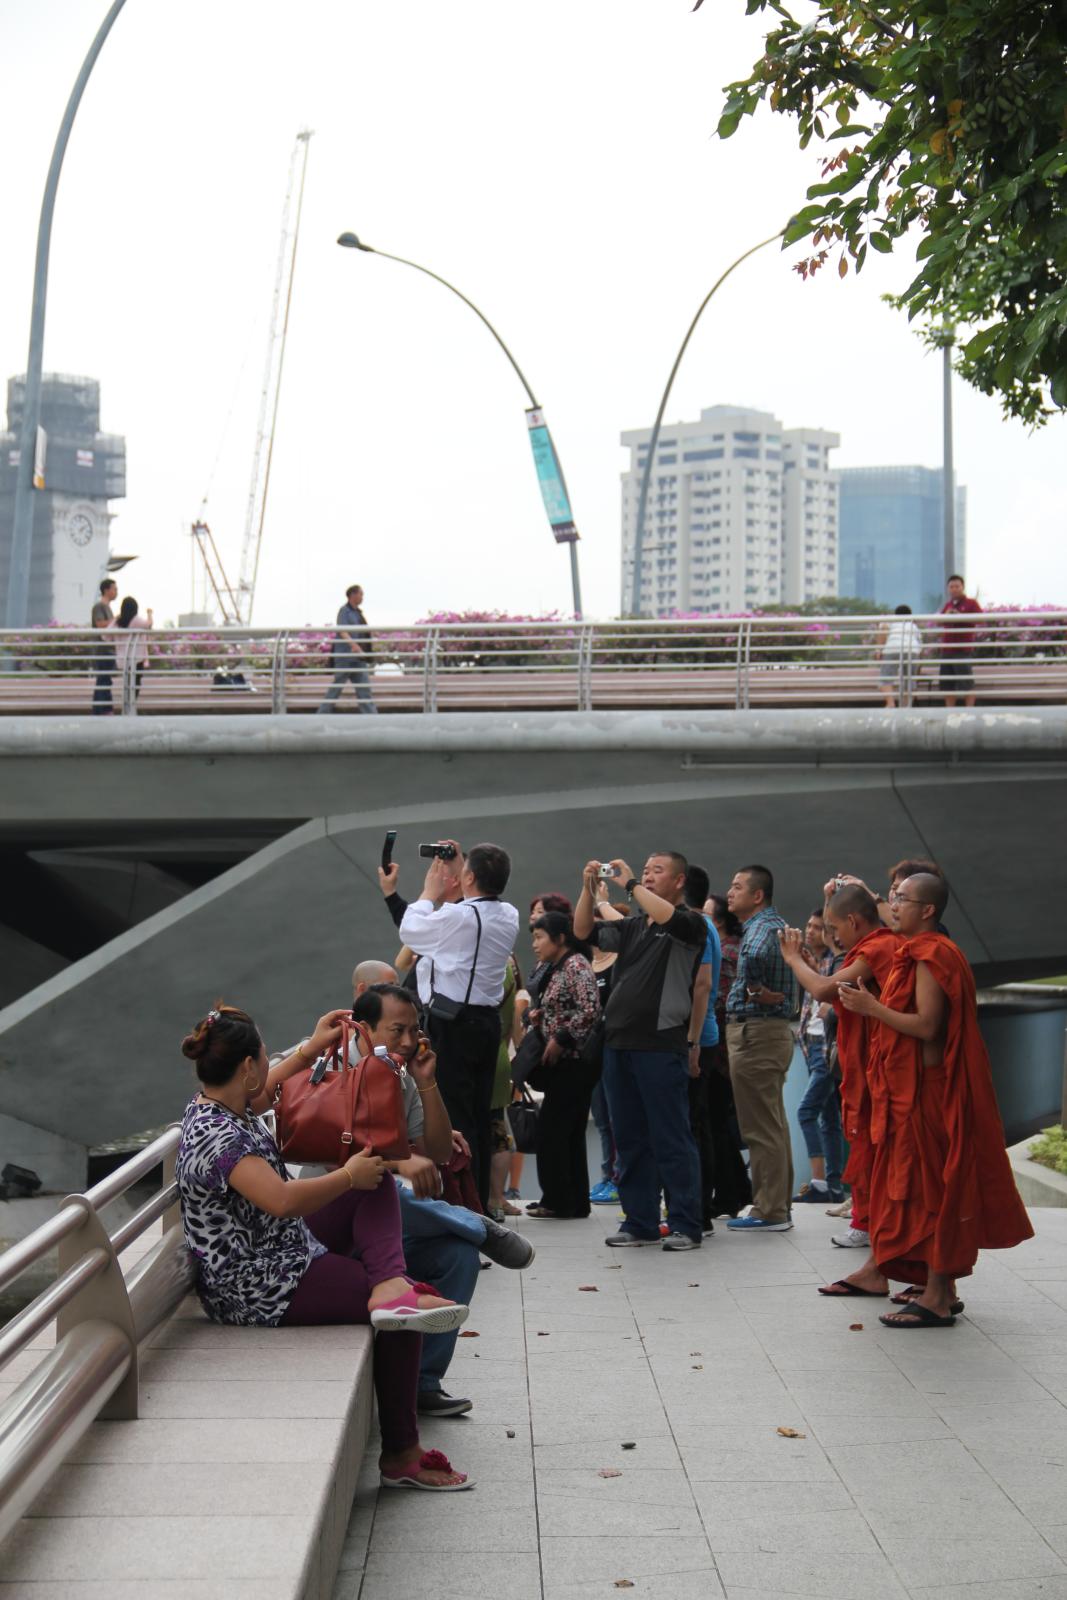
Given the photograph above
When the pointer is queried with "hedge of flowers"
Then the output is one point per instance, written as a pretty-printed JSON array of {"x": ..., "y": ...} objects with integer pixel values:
[{"x": 518, "y": 641}]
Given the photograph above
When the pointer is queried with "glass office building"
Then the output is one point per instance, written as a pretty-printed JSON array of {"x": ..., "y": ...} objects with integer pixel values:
[{"x": 890, "y": 544}]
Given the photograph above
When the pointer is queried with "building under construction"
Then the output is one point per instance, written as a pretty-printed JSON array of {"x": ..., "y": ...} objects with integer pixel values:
[{"x": 84, "y": 469}]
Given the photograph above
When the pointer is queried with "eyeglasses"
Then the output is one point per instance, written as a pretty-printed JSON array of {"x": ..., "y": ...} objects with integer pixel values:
[{"x": 904, "y": 900}]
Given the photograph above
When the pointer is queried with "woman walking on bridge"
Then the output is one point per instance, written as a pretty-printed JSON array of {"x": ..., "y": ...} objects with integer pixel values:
[{"x": 273, "y": 1251}]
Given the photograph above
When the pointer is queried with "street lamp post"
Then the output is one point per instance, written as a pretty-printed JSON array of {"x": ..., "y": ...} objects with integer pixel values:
[
  {"x": 18, "y": 585},
  {"x": 351, "y": 241},
  {"x": 646, "y": 476}
]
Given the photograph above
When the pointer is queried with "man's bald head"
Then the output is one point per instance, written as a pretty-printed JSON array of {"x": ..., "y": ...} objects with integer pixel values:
[
  {"x": 369, "y": 973},
  {"x": 929, "y": 890},
  {"x": 853, "y": 900}
]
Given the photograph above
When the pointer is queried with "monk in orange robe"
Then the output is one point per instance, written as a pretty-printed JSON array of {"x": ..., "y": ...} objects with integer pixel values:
[
  {"x": 852, "y": 920},
  {"x": 941, "y": 1185}
]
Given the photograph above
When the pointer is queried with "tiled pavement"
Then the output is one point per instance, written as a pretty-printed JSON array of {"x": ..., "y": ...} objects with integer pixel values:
[{"x": 932, "y": 1464}]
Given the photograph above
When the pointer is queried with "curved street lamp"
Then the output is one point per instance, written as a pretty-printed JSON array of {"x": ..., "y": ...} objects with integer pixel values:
[
  {"x": 646, "y": 476},
  {"x": 18, "y": 581},
  {"x": 549, "y": 470}
]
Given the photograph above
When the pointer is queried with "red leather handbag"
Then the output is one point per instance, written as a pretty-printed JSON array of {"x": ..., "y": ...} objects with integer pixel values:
[{"x": 349, "y": 1108}]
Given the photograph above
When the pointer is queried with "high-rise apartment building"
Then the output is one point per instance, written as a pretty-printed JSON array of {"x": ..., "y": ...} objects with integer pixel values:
[
  {"x": 892, "y": 546},
  {"x": 84, "y": 469},
  {"x": 741, "y": 513}
]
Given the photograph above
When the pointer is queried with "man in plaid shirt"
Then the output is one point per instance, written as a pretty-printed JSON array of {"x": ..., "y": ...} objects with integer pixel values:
[{"x": 760, "y": 1043}]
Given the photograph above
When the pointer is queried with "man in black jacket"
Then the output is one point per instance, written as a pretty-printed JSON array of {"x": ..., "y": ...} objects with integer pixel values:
[{"x": 646, "y": 1048}]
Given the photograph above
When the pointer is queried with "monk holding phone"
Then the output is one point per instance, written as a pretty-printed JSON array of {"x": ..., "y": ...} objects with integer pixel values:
[{"x": 941, "y": 1185}]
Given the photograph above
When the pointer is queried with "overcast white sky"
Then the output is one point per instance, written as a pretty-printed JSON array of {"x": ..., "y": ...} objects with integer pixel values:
[{"x": 558, "y": 164}]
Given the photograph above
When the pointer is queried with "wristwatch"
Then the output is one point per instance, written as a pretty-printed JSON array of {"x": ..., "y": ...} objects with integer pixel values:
[{"x": 631, "y": 886}]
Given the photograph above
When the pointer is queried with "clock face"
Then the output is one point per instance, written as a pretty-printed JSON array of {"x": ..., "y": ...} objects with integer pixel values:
[{"x": 80, "y": 528}]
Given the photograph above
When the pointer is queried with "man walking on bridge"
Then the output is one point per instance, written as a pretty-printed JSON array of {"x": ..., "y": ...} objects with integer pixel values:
[{"x": 351, "y": 653}]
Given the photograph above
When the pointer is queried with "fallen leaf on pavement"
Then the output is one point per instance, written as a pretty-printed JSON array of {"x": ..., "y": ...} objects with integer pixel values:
[
  {"x": 623, "y": 1583},
  {"x": 609, "y": 1472},
  {"x": 791, "y": 1433},
  {"x": 616, "y": 1267},
  {"x": 698, "y": 1366},
  {"x": 469, "y": 1333},
  {"x": 542, "y": 1333},
  {"x": 588, "y": 1288},
  {"x": 630, "y": 1444},
  {"x": 694, "y": 1286},
  {"x": 510, "y": 1433},
  {"x": 696, "y": 1352},
  {"x": 855, "y": 1327}
]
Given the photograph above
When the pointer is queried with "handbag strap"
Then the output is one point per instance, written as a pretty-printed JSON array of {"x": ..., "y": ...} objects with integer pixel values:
[{"x": 474, "y": 962}]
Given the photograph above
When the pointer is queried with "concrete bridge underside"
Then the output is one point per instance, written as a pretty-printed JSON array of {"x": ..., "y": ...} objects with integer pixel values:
[{"x": 92, "y": 1053}]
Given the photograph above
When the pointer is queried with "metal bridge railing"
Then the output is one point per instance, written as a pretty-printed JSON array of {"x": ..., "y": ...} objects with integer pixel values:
[
  {"x": 101, "y": 1317},
  {"x": 726, "y": 663}
]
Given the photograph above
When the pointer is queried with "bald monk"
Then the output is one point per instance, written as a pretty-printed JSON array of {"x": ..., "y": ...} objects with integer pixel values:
[
  {"x": 941, "y": 1185},
  {"x": 852, "y": 921}
]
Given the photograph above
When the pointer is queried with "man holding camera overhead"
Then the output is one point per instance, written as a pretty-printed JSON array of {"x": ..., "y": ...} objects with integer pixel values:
[
  {"x": 464, "y": 947},
  {"x": 646, "y": 1050}
]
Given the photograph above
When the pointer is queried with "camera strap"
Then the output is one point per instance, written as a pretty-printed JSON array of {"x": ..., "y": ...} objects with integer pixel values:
[{"x": 474, "y": 963}]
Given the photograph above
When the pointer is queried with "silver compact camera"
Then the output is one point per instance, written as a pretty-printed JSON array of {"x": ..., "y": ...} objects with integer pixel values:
[{"x": 608, "y": 871}]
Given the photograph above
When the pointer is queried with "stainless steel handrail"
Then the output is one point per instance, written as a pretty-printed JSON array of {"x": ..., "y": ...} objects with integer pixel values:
[
  {"x": 100, "y": 1319},
  {"x": 739, "y": 663},
  {"x": 40, "y": 1312},
  {"x": 132, "y": 1171},
  {"x": 14, "y": 1261}
]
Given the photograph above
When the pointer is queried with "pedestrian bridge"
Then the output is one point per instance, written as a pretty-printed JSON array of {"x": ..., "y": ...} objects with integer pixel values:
[{"x": 159, "y": 863}]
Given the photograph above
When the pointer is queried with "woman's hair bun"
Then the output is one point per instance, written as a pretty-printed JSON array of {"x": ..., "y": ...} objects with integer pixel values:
[
  {"x": 223, "y": 1039},
  {"x": 195, "y": 1045}
]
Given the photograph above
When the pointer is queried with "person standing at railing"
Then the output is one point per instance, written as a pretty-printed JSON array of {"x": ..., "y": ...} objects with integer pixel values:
[
  {"x": 103, "y": 660},
  {"x": 900, "y": 649},
  {"x": 126, "y": 628},
  {"x": 958, "y": 643},
  {"x": 261, "y": 1264},
  {"x": 351, "y": 654}
]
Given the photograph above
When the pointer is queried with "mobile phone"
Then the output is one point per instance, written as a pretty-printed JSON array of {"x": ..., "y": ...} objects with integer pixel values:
[{"x": 387, "y": 849}]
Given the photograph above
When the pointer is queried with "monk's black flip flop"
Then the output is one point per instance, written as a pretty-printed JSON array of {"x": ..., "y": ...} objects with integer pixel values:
[
  {"x": 840, "y": 1289},
  {"x": 907, "y": 1297},
  {"x": 927, "y": 1318}
]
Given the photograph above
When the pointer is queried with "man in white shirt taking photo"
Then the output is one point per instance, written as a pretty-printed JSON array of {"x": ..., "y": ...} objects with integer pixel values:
[{"x": 464, "y": 947}]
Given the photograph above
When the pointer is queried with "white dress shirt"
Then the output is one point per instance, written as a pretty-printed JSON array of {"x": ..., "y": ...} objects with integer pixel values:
[{"x": 446, "y": 937}]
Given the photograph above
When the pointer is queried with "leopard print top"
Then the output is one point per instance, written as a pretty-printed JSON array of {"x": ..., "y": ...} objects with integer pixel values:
[{"x": 249, "y": 1262}]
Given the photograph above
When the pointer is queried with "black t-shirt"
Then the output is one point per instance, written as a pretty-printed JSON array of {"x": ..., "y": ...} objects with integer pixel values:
[{"x": 651, "y": 996}]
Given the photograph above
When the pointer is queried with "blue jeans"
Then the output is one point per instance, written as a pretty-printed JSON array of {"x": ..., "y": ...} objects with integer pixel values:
[
  {"x": 348, "y": 669},
  {"x": 648, "y": 1098},
  {"x": 819, "y": 1115},
  {"x": 441, "y": 1245},
  {"x": 599, "y": 1108}
]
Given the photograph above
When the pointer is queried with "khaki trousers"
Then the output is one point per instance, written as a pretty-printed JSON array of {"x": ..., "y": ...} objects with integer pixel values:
[{"x": 760, "y": 1051}]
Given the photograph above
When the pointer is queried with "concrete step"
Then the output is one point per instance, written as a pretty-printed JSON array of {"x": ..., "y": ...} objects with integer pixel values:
[{"x": 237, "y": 1479}]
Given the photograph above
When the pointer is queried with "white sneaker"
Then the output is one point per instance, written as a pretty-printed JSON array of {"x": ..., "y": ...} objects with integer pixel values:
[{"x": 854, "y": 1239}]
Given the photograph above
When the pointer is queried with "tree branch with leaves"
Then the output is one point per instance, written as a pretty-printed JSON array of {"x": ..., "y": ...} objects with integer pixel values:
[{"x": 951, "y": 122}]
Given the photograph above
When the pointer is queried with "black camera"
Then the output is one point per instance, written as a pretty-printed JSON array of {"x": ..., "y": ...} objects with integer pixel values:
[{"x": 444, "y": 852}]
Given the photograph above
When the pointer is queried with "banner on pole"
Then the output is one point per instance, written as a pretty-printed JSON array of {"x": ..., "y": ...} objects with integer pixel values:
[
  {"x": 40, "y": 451},
  {"x": 550, "y": 478}
]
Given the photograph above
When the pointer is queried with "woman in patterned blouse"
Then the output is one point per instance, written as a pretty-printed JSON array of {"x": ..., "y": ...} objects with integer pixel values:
[
  {"x": 260, "y": 1263},
  {"x": 567, "y": 1012}
]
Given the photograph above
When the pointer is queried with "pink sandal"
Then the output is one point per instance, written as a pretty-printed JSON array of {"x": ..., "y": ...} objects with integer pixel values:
[
  {"x": 431, "y": 1461},
  {"x": 403, "y": 1312}
]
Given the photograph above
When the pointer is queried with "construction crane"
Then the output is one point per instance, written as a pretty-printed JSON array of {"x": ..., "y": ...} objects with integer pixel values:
[{"x": 236, "y": 601}]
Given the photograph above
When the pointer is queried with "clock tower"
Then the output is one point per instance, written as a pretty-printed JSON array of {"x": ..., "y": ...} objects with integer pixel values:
[{"x": 84, "y": 469}]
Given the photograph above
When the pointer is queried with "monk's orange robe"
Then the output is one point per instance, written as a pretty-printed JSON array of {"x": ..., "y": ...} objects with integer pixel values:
[
  {"x": 878, "y": 949},
  {"x": 941, "y": 1185}
]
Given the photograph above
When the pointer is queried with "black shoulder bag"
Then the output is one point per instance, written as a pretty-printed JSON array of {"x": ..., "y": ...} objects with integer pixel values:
[{"x": 441, "y": 1007}]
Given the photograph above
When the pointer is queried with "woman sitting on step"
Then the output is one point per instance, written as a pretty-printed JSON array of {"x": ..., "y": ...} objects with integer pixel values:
[{"x": 274, "y": 1251}]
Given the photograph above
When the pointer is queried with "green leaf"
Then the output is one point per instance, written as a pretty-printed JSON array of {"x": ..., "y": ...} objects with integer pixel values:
[{"x": 882, "y": 242}]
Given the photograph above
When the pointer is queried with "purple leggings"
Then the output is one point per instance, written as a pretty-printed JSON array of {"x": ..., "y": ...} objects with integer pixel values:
[{"x": 364, "y": 1224}]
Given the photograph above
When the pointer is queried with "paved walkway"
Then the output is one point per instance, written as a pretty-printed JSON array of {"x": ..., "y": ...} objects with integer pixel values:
[{"x": 931, "y": 1465}]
